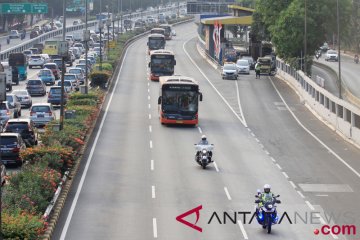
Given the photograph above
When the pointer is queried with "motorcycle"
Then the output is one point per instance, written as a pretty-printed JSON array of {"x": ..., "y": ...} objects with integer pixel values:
[
  {"x": 318, "y": 54},
  {"x": 203, "y": 154},
  {"x": 356, "y": 59},
  {"x": 266, "y": 215}
]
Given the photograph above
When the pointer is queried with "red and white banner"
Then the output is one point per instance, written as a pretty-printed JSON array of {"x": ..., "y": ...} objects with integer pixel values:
[{"x": 216, "y": 38}]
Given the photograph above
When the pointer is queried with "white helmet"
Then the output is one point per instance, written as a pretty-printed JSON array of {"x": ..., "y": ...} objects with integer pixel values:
[
  {"x": 203, "y": 137},
  {"x": 267, "y": 188}
]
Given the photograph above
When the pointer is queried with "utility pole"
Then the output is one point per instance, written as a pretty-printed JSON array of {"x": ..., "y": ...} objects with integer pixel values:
[
  {"x": 338, "y": 40},
  {"x": 86, "y": 40},
  {"x": 121, "y": 16},
  {"x": 63, "y": 70},
  {"x": 305, "y": 41}
]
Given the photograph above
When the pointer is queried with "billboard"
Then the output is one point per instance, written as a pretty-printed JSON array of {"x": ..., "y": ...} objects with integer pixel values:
[{"x": 79, "y": 6}]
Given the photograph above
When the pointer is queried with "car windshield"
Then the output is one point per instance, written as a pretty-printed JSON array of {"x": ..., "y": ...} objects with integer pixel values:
[
  {"x": 50, "y": 66},
  {"x": 66, "y": 83},
  {"x": 45, "y": 73},
  {"x": 55, "y": 90},
  {"x": 8, "y": 140},
  {"x": 16, "y": 126},
  {"x": 69, "y": 77},
  {"x": 40, "y": 109},
  {"x": 35, "y": 57},
  {"x": 243, "y": 63},
  {"x": 75, "y": 71},
  {"x": 332, "y": 52},
  {"x": 229, "y": 67},
  {"x": 34, "y": 82},
  {"x": 183, "y": 101}
]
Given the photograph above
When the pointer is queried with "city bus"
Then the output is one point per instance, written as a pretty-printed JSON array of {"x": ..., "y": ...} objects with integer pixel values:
[
  {"x": 161, "y": 63},
  {"x": 156, "y": 41},
  {"x": 157, "y": 30},
  {"x": 168, "y": 32},
  {"x": 179, "y": 100}
]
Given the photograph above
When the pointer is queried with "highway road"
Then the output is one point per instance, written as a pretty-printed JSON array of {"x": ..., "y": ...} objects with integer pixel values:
[
  {"x": 138, "y": 175},
  {"x": 349, "y": 72}
]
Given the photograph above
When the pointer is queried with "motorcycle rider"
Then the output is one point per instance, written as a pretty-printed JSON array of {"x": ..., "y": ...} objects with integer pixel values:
[
  {"x": 204, "y": 141},
  {"x": 264, "y": 197},
  {"x": 356, "y": 58}
]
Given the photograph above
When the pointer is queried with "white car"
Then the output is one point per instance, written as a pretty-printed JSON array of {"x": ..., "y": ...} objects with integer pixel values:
[
  {"x": 14, "y": 34},
  {"x": 243, "y": 66},
  {"x": 229, "y": 71},
  {"x": 331, "y": 55},
  {"x": 36, "y": 61}
]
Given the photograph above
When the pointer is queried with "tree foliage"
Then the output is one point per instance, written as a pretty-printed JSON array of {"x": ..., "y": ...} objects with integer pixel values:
[{"x": 282, "y": 22}]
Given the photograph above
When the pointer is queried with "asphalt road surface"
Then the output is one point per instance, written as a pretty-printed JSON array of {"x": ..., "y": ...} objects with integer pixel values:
[{"x": 138, "y": 175}]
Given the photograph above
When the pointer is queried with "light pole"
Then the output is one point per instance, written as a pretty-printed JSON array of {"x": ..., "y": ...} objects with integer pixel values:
[
  {"x": 338, "y": 40},
  {"x": 305, "y": 42},
  {"x": 108, "y": 24},
  {"x": 113, "y": 26},
  {"x": 63, "y": 71},
  {"x": 101, "y": 25},
  {"x": 86, "y": 40}
]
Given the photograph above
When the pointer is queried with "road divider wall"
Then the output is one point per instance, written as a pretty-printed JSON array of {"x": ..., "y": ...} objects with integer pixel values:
[{"x": 343, "y": 116}]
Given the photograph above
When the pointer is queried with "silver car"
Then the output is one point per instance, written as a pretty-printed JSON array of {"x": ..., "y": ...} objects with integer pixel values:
[
  {"x": 6, "y": 112},
  {"x": 42, "y": 113},
  {"x": 24, "y": 97},
  {"x": 36, "y": 61}
]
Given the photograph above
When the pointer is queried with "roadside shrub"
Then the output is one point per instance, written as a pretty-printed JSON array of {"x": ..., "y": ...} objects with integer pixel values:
[
  {"x": 91, "y": 95},
  {"x": 105, "y": 67},
  {"x": 31, "y": 189},
  {"x": 55, "y": 157},
  {"x": 22, "y": 225},
  {"x": 82, "y": 110},
  {"x": 99, "y": 79},
  {"x": 83, "y": 101}
]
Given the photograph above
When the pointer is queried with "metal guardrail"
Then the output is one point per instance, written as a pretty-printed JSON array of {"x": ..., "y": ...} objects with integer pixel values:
[
  {"x": 30, "y": 43},
  {"x": 342, "y": 115}
]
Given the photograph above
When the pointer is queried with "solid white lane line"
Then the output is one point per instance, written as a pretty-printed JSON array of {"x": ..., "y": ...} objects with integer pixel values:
[
  {"x": 310, "y": 206},
  {"x": 284, "y": 173},
  {"x": 241, "y": 118},
  {"x": 272, "y": 159},
  {"x": 242, "y": 230},
  {"x": 257, "y": 140},
  {"x": 153, "y": 191},
  {"x": 312, "y": 134},
  {"x": 155, "y": 228},
  {"x": 278, "y": 166},
  {"x": 149, "y": 116},
  {"x": 267, "y": 152},
  {"x": 216, "y": 167},
  {"x": 150, "y": 128},
  {"x": 292, "y": 184},
  {"x": 321, "y": 195},
  {"x": 199, "y": 128},
  {"x": 227, "y": 193},
  {"x": 252, "y": 134},
  {"x": 152, "y": 165},
  {"x": 238, "y": 99},
  {"x": 301, "y": 195},
  {"x": 89, "y": 159}
]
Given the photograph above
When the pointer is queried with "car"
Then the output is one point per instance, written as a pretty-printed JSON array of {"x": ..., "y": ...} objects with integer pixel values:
[
  {"x": 14, "y": 34},
  {"x": 243, "y": 66},
  {"x": 73, "y": 78},
  {"x": 54, "y": 68},
  {"x": 24, "y": 97},
  {"x": 42, "y": 113},
  {"x": 6, "y": 112},
  {"x": 54, "y": 96},
  {"x": 14, "y": 103},
  {"x": 92, "y": 60},
  {"x": 97, "y": 50},
  {"x": 46, "y": 57},
  {"x": 76, "y": 52},
  {"x": 36, "y": 61},
  {"x": 72, "y": 57},
  {"x": 39, "y": 29},
  {"x": 68, "y": 86},
  {"x": 77, "y": 22},
  {"x": 36, "y": 87},
  {"x": 173, "y": 32},
  {"x": 3, "y": 173},
  {"x": 251, "y": 61},
  {"x": 83, "y": 61},
  {"x": 79, "y": 72},
  {"x": 58, "y": 62},
  {"x": 331, "y": 55},
  {"x": 34, "y": 51},
  {"x": 83, "y": 66},
  {"x": 47, "y": 76},
  {"x": 229, "y": 71},
  {"x": 80, "y": 46},
  {"x": 28, "y": 53},
  {"x": 12, "y": 145},
  {"x": 25, "y": 127}
]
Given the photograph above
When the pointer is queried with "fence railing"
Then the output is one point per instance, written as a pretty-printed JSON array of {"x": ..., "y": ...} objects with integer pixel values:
[{"x": 342, "y": 115}]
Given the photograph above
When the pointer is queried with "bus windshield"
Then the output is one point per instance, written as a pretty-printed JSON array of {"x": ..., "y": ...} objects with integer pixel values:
[
  {"x": 162, "y": 63},
  {"x": 183, "y": 101}
]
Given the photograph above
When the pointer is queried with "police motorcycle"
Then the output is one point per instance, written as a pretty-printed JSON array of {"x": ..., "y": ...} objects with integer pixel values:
[
  {"x": 203, "y": 154},
  {"x": 266, "y": 213}
]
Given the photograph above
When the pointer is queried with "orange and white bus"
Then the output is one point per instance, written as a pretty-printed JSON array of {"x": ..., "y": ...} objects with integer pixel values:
[
  {"x": 158, "y": 31},
  {"x": 162, "y": 63},
  {"x": 179, "y": 100}
]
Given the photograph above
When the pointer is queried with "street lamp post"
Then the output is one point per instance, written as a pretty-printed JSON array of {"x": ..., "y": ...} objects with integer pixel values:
[
  {"x": 86, "y": 40},
  {"x": 113, "y": 27},
  {"x": 63, "y": 70},
  {"x": 305, "y": 41},
  {"x": 101, "y": 25},
  {"x": 338, "y": 40},
  {"x": 108, "y": 24}
]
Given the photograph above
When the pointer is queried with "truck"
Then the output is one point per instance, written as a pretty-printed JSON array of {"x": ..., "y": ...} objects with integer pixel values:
[
  {"x": 51, "y": 47},
  {"x": 4, "y": 67},
  {"x": 265, "y": 65},
  {"x": 18, "y": 62}
]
